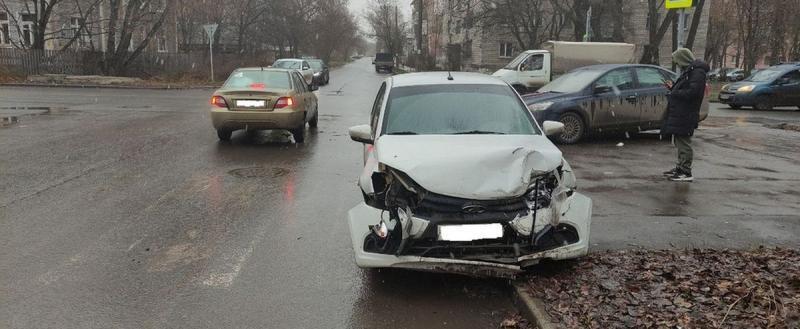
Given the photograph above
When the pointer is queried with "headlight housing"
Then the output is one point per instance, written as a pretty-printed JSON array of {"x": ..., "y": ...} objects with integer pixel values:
[
  {"x": 539, "y": 106},
  {"x": 745, "y": 89}
]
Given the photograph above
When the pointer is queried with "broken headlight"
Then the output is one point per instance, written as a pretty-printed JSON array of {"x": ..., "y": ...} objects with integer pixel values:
[{"x": 540, "y": 192}]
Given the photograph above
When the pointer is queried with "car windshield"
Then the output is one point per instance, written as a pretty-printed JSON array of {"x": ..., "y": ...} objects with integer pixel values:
[
  {"x": 572, "y": 82},
  {"x": 516, "y": 61},
  {"x": 287, "y": 64},
  {"x": 764, "y": 76},
  {"x": 456, "y": 109},
  {"x": 256, "y": 79},
  {"x": 316, "y": 65}
]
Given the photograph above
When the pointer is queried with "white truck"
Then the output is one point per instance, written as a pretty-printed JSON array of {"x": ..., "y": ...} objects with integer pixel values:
[{"x": 535, "y": 68}]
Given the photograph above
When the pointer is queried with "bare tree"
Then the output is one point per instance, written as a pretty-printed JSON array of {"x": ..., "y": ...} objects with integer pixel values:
[
  {"x": 387, "y": 25},
  {"x": 126, "y": 19},
  {"x": 752, "y": 31},
  {"x": 656, "y": 31}
]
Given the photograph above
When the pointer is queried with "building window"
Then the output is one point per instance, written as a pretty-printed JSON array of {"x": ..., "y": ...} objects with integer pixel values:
[
  {"x": 506, "y": 50},
  {"x": 4, "y": 36},
  {"x": 162, "y": 44},
  {"x": 27, "y": 28}
]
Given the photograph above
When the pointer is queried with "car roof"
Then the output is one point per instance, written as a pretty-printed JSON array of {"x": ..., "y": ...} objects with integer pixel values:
[
  {"x": 436, "y": 78},
  {"x": 785, "y": 67},
  {"x": 290, "y": 59}
]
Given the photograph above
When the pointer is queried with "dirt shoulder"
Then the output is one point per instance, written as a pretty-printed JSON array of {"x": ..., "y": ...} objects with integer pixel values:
[{"x": 759, "y": 288}]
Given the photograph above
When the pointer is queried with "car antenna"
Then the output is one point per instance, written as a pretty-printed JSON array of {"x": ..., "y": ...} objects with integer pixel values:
[{"x": 449, "y": 76}]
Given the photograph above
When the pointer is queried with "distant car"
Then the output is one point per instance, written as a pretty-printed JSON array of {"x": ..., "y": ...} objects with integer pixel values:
[
  {"x": 735, "y": 75},
  {"x": 777, "y": 85},
  {"x": 321, "y": 75},
  {"x": 264, "y": 98},
  {"x": 718, "y": 74},
  {"x": 610, "y": 97},
  {"x": 300, "y": 65},
  {"x": 458, "y": 177},
  {"x": 384, "y": 62}
]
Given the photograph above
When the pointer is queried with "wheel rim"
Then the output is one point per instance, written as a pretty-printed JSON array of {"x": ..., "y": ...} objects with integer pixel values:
[{"x": 572, "y": 128}]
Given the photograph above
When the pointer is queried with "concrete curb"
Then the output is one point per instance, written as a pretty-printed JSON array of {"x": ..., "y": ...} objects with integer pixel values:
[
  {"x": 532, "y": 308},
  {"x": 104, "y": 86}
]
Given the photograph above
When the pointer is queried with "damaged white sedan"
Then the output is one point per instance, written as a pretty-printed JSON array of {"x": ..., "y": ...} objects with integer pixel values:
[{"x": 459, "y": 177}]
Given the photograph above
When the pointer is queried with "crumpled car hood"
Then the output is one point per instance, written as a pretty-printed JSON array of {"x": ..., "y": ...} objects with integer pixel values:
[{"x": 481, "y": 167}]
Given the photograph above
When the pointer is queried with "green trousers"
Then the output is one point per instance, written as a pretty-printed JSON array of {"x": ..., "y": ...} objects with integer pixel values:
[{"x": 685, "y": 152}]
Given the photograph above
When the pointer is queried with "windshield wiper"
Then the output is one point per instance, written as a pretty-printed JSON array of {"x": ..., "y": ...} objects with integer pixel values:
[
  {"x": 402, "y": 133},
  {"x": 478, "y": 132}
]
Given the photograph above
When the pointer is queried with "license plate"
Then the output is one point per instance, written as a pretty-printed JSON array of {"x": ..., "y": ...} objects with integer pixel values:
[
  {"x": 724, "y": 96},
  {"x": 251, "y": 103},
  {"x": 470, "y": 232}
]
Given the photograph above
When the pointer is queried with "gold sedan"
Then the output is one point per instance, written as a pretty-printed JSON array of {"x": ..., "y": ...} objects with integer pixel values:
[{"x": 264, "y": 98}]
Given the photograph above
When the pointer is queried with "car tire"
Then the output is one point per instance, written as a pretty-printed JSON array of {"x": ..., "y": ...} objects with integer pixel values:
[
  {"x": 574, "y": 128},
  {"x": 762, "y": 104},
  {"x": 734, "y": 106},
  {"x": 299, "y": 133},
  {"x": 315, "y": 120},
  {"x": 224, "y": 134},
  {"x": 327, "y": 80}
]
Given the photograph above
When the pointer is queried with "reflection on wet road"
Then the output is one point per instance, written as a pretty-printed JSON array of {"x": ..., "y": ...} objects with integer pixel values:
[{"x": 125, "y": 211}]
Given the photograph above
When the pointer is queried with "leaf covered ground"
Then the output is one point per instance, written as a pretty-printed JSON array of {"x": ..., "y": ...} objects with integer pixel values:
[{"x": 674, "y": 289}]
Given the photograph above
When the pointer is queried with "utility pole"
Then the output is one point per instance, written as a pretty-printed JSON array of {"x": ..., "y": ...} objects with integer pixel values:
[{"x": 681, "y": 27}]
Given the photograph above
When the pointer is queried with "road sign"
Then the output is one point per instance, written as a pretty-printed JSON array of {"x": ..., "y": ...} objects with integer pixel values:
[
  {"x": 678, "y": 4},
  {"x": 211, "y": 29}
]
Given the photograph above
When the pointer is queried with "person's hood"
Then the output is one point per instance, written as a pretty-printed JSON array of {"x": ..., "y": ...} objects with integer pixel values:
[
  {"x": 700, "y": 64},
  {"x": 480, "y": 167}
]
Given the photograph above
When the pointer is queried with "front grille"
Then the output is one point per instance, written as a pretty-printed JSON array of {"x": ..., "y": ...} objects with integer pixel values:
[{"x": 442, "y": 209}]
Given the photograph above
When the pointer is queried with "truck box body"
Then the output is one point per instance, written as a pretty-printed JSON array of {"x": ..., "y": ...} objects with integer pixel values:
[{"x": 533, "y": 69}]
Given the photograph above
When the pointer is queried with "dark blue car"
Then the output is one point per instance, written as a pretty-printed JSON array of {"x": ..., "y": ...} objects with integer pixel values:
[
  {"x": 599, "y": 98},
  {"x": 777, "y": 85}
]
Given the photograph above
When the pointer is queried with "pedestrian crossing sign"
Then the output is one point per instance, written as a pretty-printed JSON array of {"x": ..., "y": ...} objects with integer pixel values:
[{"x": 678, "y": 4}]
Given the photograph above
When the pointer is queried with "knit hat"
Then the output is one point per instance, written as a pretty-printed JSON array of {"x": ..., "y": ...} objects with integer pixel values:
[{"x": 682, "y": 57}]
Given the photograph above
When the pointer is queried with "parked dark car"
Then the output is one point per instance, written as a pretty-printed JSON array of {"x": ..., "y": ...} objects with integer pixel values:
[
  {"x": 777, "y": 85},
  {"x": 735, "y": 75},
  {"x": 718, "y": 74},
  {"x": 322, "y": 75},
  {"x": 600, "y": 98},
  {"x": 384, "y": 62}
]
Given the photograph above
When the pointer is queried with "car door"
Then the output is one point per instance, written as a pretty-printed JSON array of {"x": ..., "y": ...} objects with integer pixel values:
[
  {"x": 532, "y": 72},
  {"x": 615, "y": 99},
  {"x": 652, "y": 95},
  {"x": 787, "y": 89}
]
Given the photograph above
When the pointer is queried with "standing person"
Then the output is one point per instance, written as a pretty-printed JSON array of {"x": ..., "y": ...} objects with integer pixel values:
[{"x": 683, "y": 110}]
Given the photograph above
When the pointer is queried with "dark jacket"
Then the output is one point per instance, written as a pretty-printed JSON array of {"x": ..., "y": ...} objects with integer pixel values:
[{"x": 685, "y": 99}]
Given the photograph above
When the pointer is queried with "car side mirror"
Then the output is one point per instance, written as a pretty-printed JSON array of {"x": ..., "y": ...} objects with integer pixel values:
[
  {"x": 361, "y": 134},
  {"x": 306, "y": 67},
  {"x": 601, "y": 89},
  {"x": 552, "y": 128}
]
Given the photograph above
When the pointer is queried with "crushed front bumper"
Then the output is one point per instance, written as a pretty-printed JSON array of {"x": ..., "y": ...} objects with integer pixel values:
[{"x": 577, "y": 214}]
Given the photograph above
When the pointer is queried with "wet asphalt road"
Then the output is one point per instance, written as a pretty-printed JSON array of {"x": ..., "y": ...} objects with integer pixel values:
[{"x": 119, "y": 208}]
